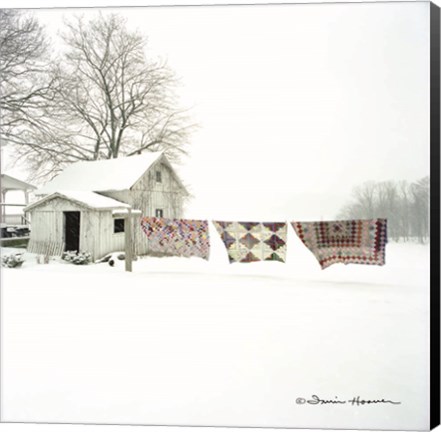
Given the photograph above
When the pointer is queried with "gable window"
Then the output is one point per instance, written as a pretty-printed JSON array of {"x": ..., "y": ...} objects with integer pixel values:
[
  {"x": 158, "y": 177},
  {"x": 159, "y": 213},
  {"x": 118, "y": 226}
]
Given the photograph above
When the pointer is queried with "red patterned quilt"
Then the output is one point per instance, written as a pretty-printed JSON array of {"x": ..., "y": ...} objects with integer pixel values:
[{"x": 345, "y": 241}]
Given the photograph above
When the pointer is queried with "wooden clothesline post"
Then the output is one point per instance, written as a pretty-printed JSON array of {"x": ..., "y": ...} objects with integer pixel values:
[{"x": 128, "y": 241}]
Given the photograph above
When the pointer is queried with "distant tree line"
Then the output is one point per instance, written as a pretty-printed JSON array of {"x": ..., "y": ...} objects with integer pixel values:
[{"x": 405, "y": 206}]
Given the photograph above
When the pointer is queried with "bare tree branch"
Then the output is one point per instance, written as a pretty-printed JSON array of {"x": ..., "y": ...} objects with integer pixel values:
[
  {"x": 103, "y": 98},
  {"x": 26, "y": 90}
]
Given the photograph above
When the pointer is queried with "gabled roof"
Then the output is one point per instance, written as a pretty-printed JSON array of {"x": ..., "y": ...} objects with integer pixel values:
[
  {"x": 12, "y": 183},
  {"x": 86, "y": 199},
  {"x": 102, "y": 175}
]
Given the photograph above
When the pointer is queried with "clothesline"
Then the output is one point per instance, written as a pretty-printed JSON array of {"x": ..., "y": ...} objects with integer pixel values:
[{"x": 358, "y": 241}]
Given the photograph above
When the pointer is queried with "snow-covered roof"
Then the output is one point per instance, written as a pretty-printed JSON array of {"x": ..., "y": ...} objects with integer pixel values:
[
  {"x": 102, "y": 175},
  {"x": 88, "y": 199},
  {"x": 11, "y": 183}
]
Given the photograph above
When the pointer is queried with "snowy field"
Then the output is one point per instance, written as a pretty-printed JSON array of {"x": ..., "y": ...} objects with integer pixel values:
[{"x": 190, "y": 342}]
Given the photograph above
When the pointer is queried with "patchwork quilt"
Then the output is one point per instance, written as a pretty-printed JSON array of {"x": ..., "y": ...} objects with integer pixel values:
[
  {"x": 253, "y": 241},
  {"x": 345, "y": 241},
  {"x": 177, "y": 237}
]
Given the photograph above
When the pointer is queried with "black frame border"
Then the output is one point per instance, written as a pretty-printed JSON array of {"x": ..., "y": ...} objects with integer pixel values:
[{"x": 434, "y": 215}]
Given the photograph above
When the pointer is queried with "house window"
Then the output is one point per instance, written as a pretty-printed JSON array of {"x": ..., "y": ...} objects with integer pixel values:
[
  {"x": 118, "y": 225},
  {"x": 158, "y": 177},
  {"x": 159, "y": 213}
]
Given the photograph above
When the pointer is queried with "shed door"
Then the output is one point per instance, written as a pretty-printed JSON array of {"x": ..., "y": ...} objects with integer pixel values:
[{"x": 72, "y": 231}]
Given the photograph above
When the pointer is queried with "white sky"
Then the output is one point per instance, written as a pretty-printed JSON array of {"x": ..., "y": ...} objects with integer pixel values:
[{"x": 297, "y": 104}]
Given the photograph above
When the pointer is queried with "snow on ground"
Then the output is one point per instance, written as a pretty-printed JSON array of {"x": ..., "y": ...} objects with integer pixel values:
[{"x": 188, "y": 342}]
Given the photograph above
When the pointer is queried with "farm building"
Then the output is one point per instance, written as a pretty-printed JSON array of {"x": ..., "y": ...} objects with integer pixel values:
[
  {"x": 77, "y": 210},
  {"x": 12, "y": 184},
  {"x": 13, "y": 222}
]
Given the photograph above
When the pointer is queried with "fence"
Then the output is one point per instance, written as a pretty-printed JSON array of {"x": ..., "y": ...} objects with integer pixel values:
[{"x": 46, "y": 248}]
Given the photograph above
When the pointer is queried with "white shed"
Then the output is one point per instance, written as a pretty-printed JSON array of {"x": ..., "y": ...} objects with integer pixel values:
[{"x": 76, "y": 209}]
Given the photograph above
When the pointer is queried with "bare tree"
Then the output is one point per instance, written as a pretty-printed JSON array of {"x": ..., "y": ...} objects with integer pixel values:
[
  {"x": 25, "y": 90},
  {"x": 404, "y": 205},
  {"x": 386, "y": 205},
  {"x": 404, "y": 210},
  {"x": 365, "y": 198},
  {"x": 420, "y": 208},
  {"x": 111, "y": 100}
]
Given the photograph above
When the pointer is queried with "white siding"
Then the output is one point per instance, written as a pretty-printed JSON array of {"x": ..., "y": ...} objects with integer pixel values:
[
  {"x": 108, "y": 241},
  {"x": 96, "y": 227},
  {"x": 47, "y": 226}
]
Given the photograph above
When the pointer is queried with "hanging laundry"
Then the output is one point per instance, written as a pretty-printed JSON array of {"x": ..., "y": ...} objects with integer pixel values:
[
  {"x": 348, "y": 241},
  {"x": 177, "y": 237},
  {"x": 253, "y": 241}
]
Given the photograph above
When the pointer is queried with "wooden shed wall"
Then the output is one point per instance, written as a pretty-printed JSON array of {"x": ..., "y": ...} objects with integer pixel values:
[
  {"x": 96, "y": 227},
  {"x": 108, "y": 240},
  {"x": 47, "y": 220},
  {"x": 167, "y": 195},
  {"x": 148, "y": 195}
]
